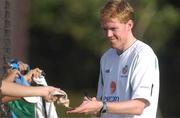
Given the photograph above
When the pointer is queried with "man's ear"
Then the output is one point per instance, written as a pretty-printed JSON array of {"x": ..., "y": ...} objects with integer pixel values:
[{"x": 130, "y": 24}]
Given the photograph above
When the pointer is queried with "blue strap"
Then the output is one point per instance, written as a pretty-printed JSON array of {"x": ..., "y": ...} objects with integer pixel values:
[{"x": 21, "y": 80}]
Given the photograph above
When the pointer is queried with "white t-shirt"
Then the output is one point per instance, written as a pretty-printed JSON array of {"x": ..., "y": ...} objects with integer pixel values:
[{"x": 133, "y": 74}]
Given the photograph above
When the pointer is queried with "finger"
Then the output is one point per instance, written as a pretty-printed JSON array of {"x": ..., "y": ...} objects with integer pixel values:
[
  {"x": 86, "y": 98},
  {"x": 9, "y": 70},
  {"x": 94, "y": 99},
  {"x": 35, "y": 73},
  {"x": 50, "y": 98},
  {"x": 16, "y": 72},
  {"x": 83, "y": 103},
  {"x": 22, "y": 66},
  {"x": 56, "y": 89},
  {"x": 77, "y": 110},
  {"x": 55, "y": 98},
  {"x": 38, "y": 70}
]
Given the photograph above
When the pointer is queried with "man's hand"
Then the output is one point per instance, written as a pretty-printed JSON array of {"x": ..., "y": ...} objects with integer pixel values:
[{"x": 88, "y": 107}]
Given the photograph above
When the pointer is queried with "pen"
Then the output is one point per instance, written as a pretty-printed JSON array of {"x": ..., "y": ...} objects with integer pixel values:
[{"x": 87, "y": 96}]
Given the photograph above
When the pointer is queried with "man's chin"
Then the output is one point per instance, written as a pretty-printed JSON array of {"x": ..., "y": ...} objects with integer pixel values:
[{"x": 113, "y": 46}]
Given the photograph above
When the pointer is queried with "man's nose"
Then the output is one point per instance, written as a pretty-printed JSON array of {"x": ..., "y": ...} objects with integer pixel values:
[{"x": 109, "y": 33}]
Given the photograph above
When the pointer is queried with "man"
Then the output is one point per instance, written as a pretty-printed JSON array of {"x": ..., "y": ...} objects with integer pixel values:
[{"x": 129, "y": 75}]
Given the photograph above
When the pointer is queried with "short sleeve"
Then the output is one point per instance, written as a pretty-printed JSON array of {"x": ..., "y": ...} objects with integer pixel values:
[{"x": 145, "y": 77}]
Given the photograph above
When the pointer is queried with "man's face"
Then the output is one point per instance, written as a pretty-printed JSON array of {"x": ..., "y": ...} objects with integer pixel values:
[{"x": 117, "y": 33}]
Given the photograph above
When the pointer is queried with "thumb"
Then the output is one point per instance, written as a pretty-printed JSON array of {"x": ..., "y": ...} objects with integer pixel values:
[{"x": 94, "y": 99}]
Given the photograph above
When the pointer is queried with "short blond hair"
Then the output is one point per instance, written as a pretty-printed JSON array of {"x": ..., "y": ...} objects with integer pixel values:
[{"x": 117, "y": 9}]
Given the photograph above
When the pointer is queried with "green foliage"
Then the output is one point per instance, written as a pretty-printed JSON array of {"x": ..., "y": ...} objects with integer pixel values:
[
  {"x": 162, "y": 27},
  {"x": 79, "y": 19},
  {"x": 156, "y": 25}
]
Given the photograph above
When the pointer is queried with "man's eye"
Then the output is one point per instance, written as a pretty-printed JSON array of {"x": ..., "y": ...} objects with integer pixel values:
[
  {"x": 113, "y": 29},
  {"x": 104, "y": 29}
]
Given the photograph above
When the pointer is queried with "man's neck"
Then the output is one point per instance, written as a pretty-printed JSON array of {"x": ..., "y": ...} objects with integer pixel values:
[{"x": 130, "y": 41}]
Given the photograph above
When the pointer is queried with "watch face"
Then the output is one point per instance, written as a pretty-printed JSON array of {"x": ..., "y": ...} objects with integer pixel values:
[{"x": 104, "y": 109}]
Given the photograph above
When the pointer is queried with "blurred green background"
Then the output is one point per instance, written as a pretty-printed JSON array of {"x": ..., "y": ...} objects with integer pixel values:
[{"x": 66, "y": 41}]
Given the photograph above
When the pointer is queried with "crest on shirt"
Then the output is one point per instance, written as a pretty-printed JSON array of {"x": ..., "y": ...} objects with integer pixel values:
[
  {"x": 107, "y": 70},
  {"x": 124, "y": 72},
  {"x": 113, "y": 87}
]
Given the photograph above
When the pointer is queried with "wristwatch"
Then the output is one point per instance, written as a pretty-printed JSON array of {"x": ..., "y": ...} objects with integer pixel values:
[{"x": 104, "y": 108}]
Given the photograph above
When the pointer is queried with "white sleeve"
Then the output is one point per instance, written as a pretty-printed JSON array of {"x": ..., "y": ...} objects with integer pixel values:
[{"x": 145, "y": 77}]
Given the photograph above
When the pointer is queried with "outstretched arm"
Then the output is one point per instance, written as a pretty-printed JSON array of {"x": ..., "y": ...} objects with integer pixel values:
[
  {"x": 16, "y": 90},
  {"x": 130, "y": 107}
]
